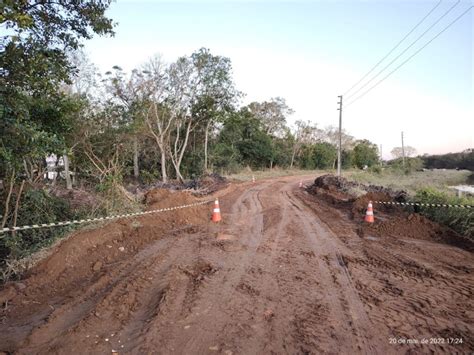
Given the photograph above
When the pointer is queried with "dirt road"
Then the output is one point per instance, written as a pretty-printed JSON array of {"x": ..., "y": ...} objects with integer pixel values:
[{"x": 285, "y": 273}]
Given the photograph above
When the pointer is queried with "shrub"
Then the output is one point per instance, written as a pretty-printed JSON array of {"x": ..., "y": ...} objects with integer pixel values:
[
  {"x": 459, "y": 219},
  {"x": 36, "y": 207}
]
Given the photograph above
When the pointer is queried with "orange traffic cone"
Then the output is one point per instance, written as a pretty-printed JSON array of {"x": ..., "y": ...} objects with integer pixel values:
[
  {"x": 369, "y": 215},
  {"x": 216, "y": 212},
  {"x": 301, "y": 184}
]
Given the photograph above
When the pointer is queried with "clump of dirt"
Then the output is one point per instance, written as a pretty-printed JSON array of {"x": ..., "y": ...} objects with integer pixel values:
[
  {"x": 333, "y": 189},
  {"x": 339, "y": 186},
  {"x": 204, "y": 185},
  {"x": 209, "y": 184},
  {"x": 160, "y": 198},
  {"x": 200, "y": 271},
  {"x": 333, "y": 183},
  {"x": 395, "y": 195}
]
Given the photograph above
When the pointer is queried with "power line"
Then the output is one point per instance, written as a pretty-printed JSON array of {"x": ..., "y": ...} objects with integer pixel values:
[
  {"x": 410, "y": 57},
  {"x": 406, "y": 49},
  {"x": 396, "y": 46}
]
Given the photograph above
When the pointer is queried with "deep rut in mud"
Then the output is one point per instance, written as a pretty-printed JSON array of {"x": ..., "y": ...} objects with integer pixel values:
[{"x": 284, "y": 273}]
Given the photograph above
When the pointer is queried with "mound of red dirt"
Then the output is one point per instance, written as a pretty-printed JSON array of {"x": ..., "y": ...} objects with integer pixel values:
[
  {"x": 415, "y": 226},
  {"x": 332, "y": 188},
  {"x": 87, "y": 253},
  {"x": 394, "y": 221},
  {"x": 333, "y": 183},
  {"x": 202, "y": 186},
  {"x": 359, "y": 206}
]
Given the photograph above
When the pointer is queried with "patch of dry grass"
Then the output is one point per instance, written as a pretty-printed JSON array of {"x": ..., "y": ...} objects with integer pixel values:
[
  {"x": 246, "y": 174},
  {"x": 439, "y": 179}
]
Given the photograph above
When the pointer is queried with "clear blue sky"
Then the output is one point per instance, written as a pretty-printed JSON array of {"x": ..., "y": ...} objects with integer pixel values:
[{"x": 311, "y": 51}]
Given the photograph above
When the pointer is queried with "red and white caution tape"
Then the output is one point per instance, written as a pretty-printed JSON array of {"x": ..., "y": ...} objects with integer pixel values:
[
  {"x": 89, "y": 220},
  {"x": 423, "y": 204}
]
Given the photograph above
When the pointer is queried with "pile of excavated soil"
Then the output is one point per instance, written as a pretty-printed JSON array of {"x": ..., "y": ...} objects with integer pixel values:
[
  {"x": 333, "y": 183},
  {"x": 415, "y": 226},
  {"x": 83, "y": 257},
  {"x": 204, "y": 185},
  {"x": 396, "y": 195},
  {"x": 390, "y": 220},
  {"x": 332, "y": 188},
  {"x": 337, "y": 184},
  {"x": 359, "y": 206},
  {"x": 208, "y": 184}
]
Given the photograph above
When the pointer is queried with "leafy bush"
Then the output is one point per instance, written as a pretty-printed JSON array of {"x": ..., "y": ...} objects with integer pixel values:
[
  {"x": 36, "y": 207},
  {"x": 459, "y": 219},
  {"x": 376, "y": 169},
  {"x": 365, "y": 153}
]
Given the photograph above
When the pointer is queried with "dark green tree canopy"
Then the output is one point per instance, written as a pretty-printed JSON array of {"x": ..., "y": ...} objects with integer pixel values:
[
  {"x": 34, "y": 64},
  {"x": 365, "y": 153},
  {"x": 41, "y": 32}
]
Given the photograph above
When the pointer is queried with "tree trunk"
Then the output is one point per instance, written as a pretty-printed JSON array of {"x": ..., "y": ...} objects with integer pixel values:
[
  {"x": 164, "y": 177},
  {"x": 66, "y": 172},
  {"x": 292, "y": 159},
  {"x": 135, "y": 158},
  {"x": 17, "y": 206},
  {"x": 27, "y": 171},
  {"x": 177, "y": 155},
  {"x": 206, "y": 138},
  {"x": 7, "y": 201}
]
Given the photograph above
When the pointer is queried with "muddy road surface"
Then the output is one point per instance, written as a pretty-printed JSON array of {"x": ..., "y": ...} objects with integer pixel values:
[{"x": 284, "y": 273}]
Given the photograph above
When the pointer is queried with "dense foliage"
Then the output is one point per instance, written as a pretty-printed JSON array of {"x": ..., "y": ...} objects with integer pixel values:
[
  {"x": 463, "y": 160},
  {"x": 160, "y": 121},
  {"x": 459, "y": 219}
]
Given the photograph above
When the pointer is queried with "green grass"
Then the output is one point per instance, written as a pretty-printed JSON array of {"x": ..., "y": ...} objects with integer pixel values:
[
  {"x": 428, "y": 187},
  {"x": 438, "y": 179}
]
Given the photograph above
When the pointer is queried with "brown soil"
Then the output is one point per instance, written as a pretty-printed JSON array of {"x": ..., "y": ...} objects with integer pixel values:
[{"x": 286, "y": 272}]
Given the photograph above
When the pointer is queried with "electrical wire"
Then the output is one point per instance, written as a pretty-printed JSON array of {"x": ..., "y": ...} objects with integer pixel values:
[
  {"x": 406, "y": 49},
  {"x": 396, "y": 46},
  {"x": 410, "y": 57}
]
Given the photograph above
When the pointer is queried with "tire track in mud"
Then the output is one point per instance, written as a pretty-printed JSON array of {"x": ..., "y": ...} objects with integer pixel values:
[
  {"x": 281, "y": 274},
  {"x": 410, "y": 289},
  {"x": 270, "y": 313},
  {"x": 131, "y": 289},
  {"x": 329, "y": 248},
  {"x": 211, "y": 310}
]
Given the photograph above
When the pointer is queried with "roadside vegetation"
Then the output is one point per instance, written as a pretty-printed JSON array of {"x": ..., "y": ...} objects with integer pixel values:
[
  {"x": 413, "y": 181},
  {"x": 71, "y": 133},
  {"x": 73, "y": 139},
  {"x": 428, "y": 186}
]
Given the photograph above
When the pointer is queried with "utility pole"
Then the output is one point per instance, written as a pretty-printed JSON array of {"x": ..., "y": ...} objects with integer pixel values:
[
  {"x": 403, "y": 152},
  {"x": 340, "y": 137}
]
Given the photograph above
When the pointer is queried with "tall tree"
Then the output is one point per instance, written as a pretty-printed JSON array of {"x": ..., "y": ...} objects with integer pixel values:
[
  {"x": 305, "y": 133},
  {"x": 397, "y": 152},
  {"x": 133, "y": 93},
  {"x": 272, "y": 114},
  {"x": 33, "y": 64},
  {"x": 216, "y": 92},
  {"x": 365, "y": 154},
  {"x": 331, "y": 135},
  {"x": 159, "y": 117}
]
